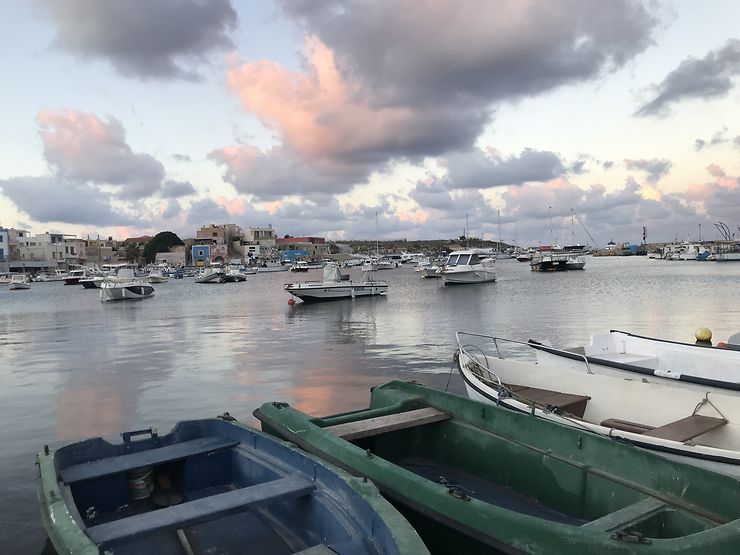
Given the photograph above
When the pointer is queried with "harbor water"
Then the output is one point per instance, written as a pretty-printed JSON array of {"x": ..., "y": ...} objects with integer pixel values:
[{"x": 73, "y": 367}]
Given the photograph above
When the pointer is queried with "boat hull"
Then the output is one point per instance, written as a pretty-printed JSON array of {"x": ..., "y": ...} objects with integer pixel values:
[
  {"x": 468, "y": 277},
  {"x": 91, "y": 283},
  {"x": 125, "y": 292},
  {"x": 210, "y": 486},
  {"x": 334, "y": 292},
  {"x": 18, "y": 286},
  {"x": 515, "y": 482}
]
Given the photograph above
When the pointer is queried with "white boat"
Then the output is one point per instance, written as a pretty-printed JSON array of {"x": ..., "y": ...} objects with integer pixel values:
[
  {"x": 156, "y": 276},
  {"x": 412, "y": 257},
  {"x": 647, "y": 413},
  {"x": 686, "y": 252},
  {"x": 575, "y": 262},
  {"x": 92, "y": 282},
  {"x": 74, "y": 276},
  {"x": 299, "y": 266},
  {"x": 556, "y": 258},
  {"x": 58, "y": 275},
  {"x": 333, "y": 286},
  {"x": 213, "y": 274},
  {"x": 124, "y": 286},
  {"x": 427, "y": 269},
  {"x": 525, "y": 256},
  {"x": 18, "y": 281},
  {"x": 385, "y": 263},
  {"x": 630, "y": 356},
  {"x": 463, "y": 267}
]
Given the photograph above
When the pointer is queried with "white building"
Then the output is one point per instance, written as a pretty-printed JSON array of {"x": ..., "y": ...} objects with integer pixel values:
[
  {"x": 65, "y": 250},
  {"x": 4, "y": 245}
]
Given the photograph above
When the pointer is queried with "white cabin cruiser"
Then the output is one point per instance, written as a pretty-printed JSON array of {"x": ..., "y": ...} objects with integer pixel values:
[
  {"x": 157, "y": 276},
  {"x": 463, "y": 267},
  {"x": 427, "y": 269},
  {"x": 213, "y": 274},
  {"x": 333, "y": 286},
  {"x": 18, "y": 282},
  {"x": 697, "y": 424},
  {"x": 124, "y": 286}
]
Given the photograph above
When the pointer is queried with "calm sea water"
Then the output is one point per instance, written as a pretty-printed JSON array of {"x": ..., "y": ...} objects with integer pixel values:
[{"x": 72, "y": 367}]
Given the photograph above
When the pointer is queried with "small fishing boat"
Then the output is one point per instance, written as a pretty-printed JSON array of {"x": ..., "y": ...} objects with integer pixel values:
[
  {"x": 473, "y": 477},
  {"x": 210, "y": 486},
  {"x": 628, "y": 355},
  {"x": 18, "y": 282},
  {"x": 465, "y": 267},
  {"x": 695, "y": 424},
  {"x": 124, "y": 286},
  {"x": 157, "y": 276},
  {"x": 75, "y": 276},
  {"x": 299, "y": 266},
  {"x": 213, "y": 274},
  {"x": 333, "y": 286},
  {"x": 427, "y": 269},
  {"x": 91, "y": 282}
]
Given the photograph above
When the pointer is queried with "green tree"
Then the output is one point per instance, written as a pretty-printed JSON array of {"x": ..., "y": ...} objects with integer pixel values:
[
  {"x": 161, "y": 242},
  {"x": 132, "y": 252}
]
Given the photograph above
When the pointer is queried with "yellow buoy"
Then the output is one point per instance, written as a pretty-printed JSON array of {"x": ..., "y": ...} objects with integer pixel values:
[{"x": 703, "y": 334}]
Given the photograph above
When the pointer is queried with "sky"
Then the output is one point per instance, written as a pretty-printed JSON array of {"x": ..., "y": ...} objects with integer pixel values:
[{"x": 516, "y": 120}]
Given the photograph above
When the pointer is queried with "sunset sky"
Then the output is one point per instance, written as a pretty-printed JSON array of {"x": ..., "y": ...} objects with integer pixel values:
[{"x": 129, "y": 118}]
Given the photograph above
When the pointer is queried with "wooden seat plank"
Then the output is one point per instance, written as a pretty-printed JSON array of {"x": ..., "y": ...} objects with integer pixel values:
[
  {"x": 626, "y": 425},
  {"x": 201, "y": 510},
  {"x": 390, "y": 423},
  {"x": 567, "y": 402},
  {"x": 129, "y": 461},
  {"x": 687, "y": 428}
]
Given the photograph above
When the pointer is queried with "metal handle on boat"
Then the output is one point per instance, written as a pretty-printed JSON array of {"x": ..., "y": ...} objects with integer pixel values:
[
  {"x": 526, "y": 343},
  {"x": 152, "y": 432}
]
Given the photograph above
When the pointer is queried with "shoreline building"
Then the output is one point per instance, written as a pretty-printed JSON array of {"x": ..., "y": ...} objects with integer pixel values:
[{"x": 293, "y": 248}]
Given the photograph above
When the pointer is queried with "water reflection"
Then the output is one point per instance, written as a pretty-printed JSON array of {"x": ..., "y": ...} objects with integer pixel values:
[{"x": 74, "y": 367}]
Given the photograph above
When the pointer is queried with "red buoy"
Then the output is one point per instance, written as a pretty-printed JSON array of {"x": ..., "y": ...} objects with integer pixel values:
[{"x": 291, "y": 301}]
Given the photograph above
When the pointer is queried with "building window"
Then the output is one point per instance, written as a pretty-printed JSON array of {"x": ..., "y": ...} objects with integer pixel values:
[{"x": 1, "y": 238}]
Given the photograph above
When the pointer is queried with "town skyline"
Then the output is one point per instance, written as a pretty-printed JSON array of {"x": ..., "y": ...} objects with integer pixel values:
[{"x": 314, "y": 118}]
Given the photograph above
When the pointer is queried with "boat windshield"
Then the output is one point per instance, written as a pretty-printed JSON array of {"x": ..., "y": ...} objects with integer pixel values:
[
  {"x": 464, "y": 259},
  {"x": 474, "y": 259},
  {"x": 452, "y": 260}
]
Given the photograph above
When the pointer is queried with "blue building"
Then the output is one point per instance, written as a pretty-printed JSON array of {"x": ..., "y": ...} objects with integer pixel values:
[
  {"x": 293, "y": 255},
  {"x": 201, "y": 255}
]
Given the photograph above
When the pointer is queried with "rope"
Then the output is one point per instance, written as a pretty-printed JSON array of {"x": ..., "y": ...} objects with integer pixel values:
[{"x": 706, "y": 401}]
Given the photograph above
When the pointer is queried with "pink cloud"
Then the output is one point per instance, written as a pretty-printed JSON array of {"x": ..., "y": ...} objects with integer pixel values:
[
  {"x": 415, "y": 216},
  {"x": 320, "y": 114},
  {"x": 235, "y": 207}
]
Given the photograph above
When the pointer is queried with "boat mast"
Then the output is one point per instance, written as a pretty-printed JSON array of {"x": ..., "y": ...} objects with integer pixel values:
[
  {"x": 498, "y": 214},
  {"x": 549, "y": 211}
]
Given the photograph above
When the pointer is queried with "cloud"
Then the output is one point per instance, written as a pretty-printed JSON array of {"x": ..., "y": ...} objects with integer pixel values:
[
  {"x": 181, "y": 157},
  {"x": 655, "y": 169},
  {"x": 407, "y": 54},
  {"x": 143, "y": 39},
  {"x": 720, "y": 197},
  {"x": 46, "y": 199},
  {"x": 736, "y": 141},
  {"x": 717, "y": 139},
  {"x": 607, "y": 164},
  {"x": 480, "y": 170},
  {"x": 83, "y": 147},
  {"x": 386, "y": 81},
  {"x": 176, "y": 189},
  {"x": 705, "y": 78},
  {"x": 278, "y": 172}
]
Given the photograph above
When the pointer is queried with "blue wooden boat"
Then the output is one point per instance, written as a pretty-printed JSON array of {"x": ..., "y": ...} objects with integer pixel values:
[{"x": 210, "y": 486}]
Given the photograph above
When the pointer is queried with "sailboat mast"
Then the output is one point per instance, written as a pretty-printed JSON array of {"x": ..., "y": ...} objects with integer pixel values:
[
  {"x": 377, "y": 236},
  {"x": 549, "y": 211},
  {"x": 498, "y": 215}
]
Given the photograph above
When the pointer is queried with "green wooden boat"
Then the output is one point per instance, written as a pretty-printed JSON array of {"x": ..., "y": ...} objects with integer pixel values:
[{"x": 471, "y": 477}]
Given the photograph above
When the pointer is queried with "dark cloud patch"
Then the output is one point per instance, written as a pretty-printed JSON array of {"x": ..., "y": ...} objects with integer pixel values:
[
  {"x": 705, "y": 78},
  {"x": 607, "y": 164},
  {"x": 455, "y": 50},
  {"x": 720, "y": 137},
  {"x": 578, "y": 167},
  {"x": 736, "y": 141},
  {"x": 176, "y": 189},
  {"x": 140, "y": 38},
  {"x": 478, "y": 170},
  {"x": 278, "y": 172},
  {"x": 181, "y": 157},
  {"x": 654, "y": 169},
  {"x": 173, "y": 209},
  {"x": 46, "y": 199},
  {"x": 206, "y": 211}
]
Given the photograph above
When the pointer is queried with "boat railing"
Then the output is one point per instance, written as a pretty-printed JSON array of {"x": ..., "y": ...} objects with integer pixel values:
[{"x": 496, "y": 340}]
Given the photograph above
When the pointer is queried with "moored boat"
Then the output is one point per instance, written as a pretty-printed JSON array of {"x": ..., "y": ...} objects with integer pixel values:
[
  {"x": 91, "y": 282},
  {"x": 75, "y": 276},
  {"x": 697, "y": 425},
  {"x": 473, "y": 477},
  {"x": 210, "y": 486},
  {"x": 18, "y": 282},
  {"x": 124, "y": 286},
  {"x": 634, "y": 356},
  {"x": 333, "y": 286},
  {"x": 466, "y": 267}
]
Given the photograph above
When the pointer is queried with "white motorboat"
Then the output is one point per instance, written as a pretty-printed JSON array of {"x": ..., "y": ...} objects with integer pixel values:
[
  {"x": 74, "y": 276},
  {"x": 631, "y": 356},
  {"x": 213, "y": 274},
  {"x": 686, "y": 252},
  {"x": 575, "y": 262},
  {"x": 124, "y": 286},
  {"x": 525, "y": 256},
  {"x": 700, "y": 425},
  {"x": 464, "y": 267},
  {"x": 156, "y": 276},
  {"x": 427, "y": 269},
  {"x": 18, "y": 282},
  {"x": 92, "y": 282},
  {"x": 556, "y": 258},
  {"x": 299, "y": 266},
  {"x": 333, "y": 287}
]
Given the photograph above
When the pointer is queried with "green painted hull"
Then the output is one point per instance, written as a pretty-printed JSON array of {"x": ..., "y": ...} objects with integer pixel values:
[{"x": 492, "y": 478}]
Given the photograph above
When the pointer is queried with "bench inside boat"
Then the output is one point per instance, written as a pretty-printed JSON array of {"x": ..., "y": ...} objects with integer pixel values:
[
  {"x": 513, "y": 475},
  {"x": 211, "y": 491},
  {"x": 679, "y": 430}
]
